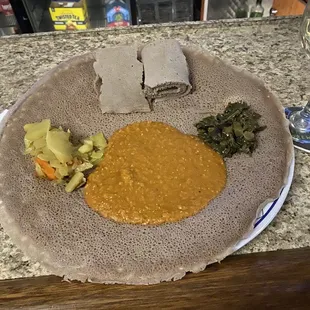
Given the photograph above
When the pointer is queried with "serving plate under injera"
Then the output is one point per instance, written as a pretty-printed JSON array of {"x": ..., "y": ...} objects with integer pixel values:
[{"x": 61, "y": 232}]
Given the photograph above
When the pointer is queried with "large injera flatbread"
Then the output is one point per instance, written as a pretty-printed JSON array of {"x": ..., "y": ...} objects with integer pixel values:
[{"x": 60, "y": 231}]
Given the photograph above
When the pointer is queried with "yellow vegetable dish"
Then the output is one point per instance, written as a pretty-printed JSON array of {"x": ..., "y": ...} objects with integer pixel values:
[{"x": 57, "y": 159}]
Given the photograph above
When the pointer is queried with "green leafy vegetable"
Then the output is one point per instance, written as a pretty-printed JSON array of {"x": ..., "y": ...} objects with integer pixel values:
[{"x": 232, "y": 132}]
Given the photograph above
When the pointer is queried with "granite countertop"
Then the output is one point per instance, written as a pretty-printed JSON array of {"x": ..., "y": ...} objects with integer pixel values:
[{"x": 269, "y": 48}]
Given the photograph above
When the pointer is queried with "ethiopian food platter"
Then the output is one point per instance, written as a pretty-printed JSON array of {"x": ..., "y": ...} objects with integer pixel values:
[{"x": 136, "y": 165}]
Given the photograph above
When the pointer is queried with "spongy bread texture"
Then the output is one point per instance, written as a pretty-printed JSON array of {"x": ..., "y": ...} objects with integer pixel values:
[
  {"x": 60, "y": 231},
  {"x": 121, "y": 75},
  {"x": 165, "y": 70}
]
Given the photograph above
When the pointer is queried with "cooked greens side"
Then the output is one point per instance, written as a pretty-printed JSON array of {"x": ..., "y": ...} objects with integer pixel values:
[{"x": 232, "y": 132}]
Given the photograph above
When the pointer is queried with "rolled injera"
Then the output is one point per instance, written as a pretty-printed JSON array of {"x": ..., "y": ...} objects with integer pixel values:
[
  {"x": 120, "y": 75},
  {"x": 165, "y": 70}
]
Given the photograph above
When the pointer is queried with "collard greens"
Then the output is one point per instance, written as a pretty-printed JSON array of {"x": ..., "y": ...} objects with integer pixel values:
[{"x": 232, "y": 132}]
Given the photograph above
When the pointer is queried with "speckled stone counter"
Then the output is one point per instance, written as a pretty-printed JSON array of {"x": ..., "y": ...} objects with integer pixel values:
[{"x": 268, "y": 48}]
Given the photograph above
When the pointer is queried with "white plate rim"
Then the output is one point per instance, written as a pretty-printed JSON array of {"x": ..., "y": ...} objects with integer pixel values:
[{"x": 269, "y": 212}]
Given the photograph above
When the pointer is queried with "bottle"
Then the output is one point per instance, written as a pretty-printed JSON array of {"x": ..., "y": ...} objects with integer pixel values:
[
  {"x": 241, "y": 12},
  {"x": 257, "y": 10},
  {"x": 117, "y": 13}
]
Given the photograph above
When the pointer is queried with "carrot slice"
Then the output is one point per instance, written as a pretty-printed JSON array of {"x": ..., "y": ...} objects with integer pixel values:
[{"x": 46, "y": 168}]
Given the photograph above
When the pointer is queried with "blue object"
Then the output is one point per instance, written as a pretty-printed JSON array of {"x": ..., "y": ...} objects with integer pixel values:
[{"x": 118, "y": 13}]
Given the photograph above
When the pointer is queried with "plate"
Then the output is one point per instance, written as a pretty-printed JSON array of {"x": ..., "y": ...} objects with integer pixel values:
[
  {"x": 267, "y": 214},
  {"x": 67, "y": 237}
]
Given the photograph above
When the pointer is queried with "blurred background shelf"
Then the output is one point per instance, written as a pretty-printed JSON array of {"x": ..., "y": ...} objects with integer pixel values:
[
  {"x": 34, "y": 16},
  {"x": 97, "y": 13},
  {"x": 8, "y": 23},
  {"x": 163, "y": 11}
]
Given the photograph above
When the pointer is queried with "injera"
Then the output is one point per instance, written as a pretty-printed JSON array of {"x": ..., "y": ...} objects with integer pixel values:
[
  {"x": 120, "y": 73},
  {"x": 165, "y": 70},
  {"x": 62, "y": 233}
]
